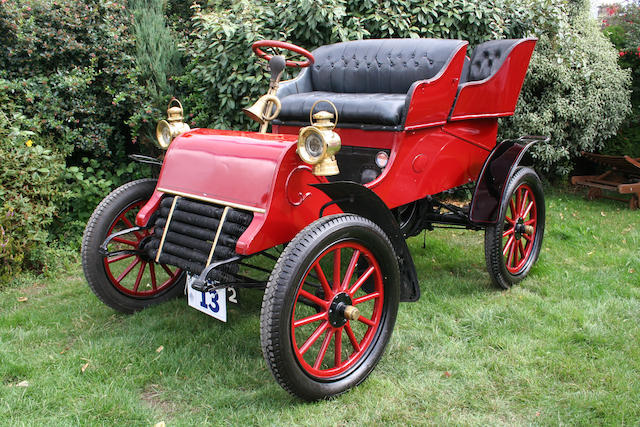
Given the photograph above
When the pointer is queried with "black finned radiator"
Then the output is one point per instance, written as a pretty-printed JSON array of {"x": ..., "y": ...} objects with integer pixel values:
[{"x": 191, "y": 234}]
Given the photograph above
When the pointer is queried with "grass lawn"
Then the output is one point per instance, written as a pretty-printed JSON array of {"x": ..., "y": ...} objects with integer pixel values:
[{"x": 562, "y": 347}]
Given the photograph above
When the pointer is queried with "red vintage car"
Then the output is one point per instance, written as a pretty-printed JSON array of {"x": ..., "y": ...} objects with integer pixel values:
[{"x": 364, "y": 141}]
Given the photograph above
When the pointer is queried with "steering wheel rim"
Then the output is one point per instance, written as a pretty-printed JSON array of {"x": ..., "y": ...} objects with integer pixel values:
[{"x": 283, "y": 45}]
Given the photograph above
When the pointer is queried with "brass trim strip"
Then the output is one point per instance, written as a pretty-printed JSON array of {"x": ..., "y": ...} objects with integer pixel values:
[
  {"x": 210, "y": 200},
  {"x": 218, "y": 231},
  {"x": 166, "y": 227}
]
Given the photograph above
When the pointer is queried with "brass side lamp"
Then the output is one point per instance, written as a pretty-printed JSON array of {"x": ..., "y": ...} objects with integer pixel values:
[
  {"x": 168, "y": 129},
  {"x": 318, "y": 143}
]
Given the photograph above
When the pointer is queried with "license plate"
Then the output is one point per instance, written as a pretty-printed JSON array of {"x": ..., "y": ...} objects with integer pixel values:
[{"x": 213, "y": 303}]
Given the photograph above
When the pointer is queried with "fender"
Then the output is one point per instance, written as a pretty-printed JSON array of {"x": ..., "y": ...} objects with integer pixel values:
[
  {"x": 498, "y": 168},
  {"x": 358, "y": 199}
]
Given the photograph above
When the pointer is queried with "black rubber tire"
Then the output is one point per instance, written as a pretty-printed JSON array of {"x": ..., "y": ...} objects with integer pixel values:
[
  {"x": 277, "y": 305},
  {"x": 96, "y": 232},
  {"x": 493, "y": 244}
]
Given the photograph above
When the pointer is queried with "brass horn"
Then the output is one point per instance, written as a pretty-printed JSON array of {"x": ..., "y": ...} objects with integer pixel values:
[{"x": 259, "y": 110}]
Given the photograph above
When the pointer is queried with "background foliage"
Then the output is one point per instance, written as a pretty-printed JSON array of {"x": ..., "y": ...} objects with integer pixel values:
[
  {"x": 622, "y": 26},
  {"x": 85, "y": 82}
]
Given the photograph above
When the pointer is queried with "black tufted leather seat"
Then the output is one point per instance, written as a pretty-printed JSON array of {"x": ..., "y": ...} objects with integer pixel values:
[
  {"x": 369, "y": 81},
  {"x": 487, "y": 58}
]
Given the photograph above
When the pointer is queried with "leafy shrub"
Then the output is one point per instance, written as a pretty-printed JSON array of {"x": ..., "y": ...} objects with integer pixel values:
[
  {"x": 622, "y": 26},
  {"x": 31, "y": 191},
  {"x": 70, "y": 64},
  {"x": 575, "y": 92},
  {"x": 157, "y": 61}
]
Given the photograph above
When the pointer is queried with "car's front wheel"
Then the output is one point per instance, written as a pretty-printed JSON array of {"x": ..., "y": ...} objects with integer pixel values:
[
  {"x": 322, "y": 331},
  {"x": 127, "y": 281}
]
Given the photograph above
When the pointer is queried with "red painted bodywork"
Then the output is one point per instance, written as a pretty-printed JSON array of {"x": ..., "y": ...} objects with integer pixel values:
[
  {"x": 263, "y": 173},
  {"x": 431, "y": 99},
  {"x": 497, "y": 95}
]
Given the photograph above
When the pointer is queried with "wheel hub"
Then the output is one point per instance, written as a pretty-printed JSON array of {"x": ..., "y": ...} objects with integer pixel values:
[
  {"x": 341, "y": 310},
  {"x": 521, "y": 228}
]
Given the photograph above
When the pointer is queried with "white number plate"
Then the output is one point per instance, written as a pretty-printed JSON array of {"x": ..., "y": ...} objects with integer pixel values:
[{"x": 212, "y": 303}]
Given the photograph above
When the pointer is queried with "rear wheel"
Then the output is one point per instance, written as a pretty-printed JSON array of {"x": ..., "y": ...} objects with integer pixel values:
[
  {"x": 512, "y": 245},
  {"x": 126, "y": 282},
  {"x": 322, "y": 331}
]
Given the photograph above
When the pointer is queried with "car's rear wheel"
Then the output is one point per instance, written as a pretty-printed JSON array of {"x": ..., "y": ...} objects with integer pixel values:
[
  {"x": 322, "y": 331},
  {"x": 513, "y": 244},
  {"x": 128, "y": 281}
]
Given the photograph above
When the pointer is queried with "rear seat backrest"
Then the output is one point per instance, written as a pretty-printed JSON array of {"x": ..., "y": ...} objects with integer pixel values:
[
  {"x": 488, "y": 57},
  {"x": 378, "y": 66}
]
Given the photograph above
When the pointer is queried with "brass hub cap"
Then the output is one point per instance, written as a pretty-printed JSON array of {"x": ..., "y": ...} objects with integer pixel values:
[{"x": 341, "y": 310}]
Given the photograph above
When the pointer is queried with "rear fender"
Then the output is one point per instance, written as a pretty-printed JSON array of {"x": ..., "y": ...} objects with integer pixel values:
[
  {"x": 498, "y": 168},
  {"x": 358, "y": 199}
]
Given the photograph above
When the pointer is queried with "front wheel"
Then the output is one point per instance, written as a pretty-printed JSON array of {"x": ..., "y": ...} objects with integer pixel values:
[
  {"x": 322, "y": 331},
  {"x": 128, "y": 281},
  {"x": 512, "y": 245}
]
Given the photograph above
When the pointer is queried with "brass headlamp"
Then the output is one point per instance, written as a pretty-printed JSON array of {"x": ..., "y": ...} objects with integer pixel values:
[
  {"x": 173, "y": 126},
  {"x": 318, "y": 143}
]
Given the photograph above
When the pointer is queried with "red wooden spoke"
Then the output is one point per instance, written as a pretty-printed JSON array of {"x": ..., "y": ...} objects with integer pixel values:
[
  {"x": 139, "y": 277},
  {"x": 530, "y": 222},
  {"x": 525, "y": 197},
  {"x": 118, "y": 258},
  {"x": 366, "y": 321},
  {"x": 521, "y": 249},
  {"x": 314, "y": 337},
  {"x": 352, "y": 266},
  {"x": 337, "y": 359},
  {"x": 517, "y": 203},
  {"x": 352, "y": 337},
  {"x": 361, "y": 281},
  {"x": 508, "y": 245},
  {"x": 508, "y": 232},
  {"x": 511, "y": 253},
  {"x": 526, "y": 236},
  {"x": 130, "y": 225},
  {"x": 169, "y": 272},
  {"x": 306, "y": 320},
  {"x": 367, "y": 297},
  {"x": 336, "y": 270},
  {"x": 125, "y": 241},
  {"x": 128, "y": 270},
  {"x": 134, "y": 240},
  {"x": 323, "y": 349},
  {"x": 313, "y": 298},
  {"x": 527, "y": 210},
  {"x": 152, "y": 273},
  {"x": 323, "y": 280}
]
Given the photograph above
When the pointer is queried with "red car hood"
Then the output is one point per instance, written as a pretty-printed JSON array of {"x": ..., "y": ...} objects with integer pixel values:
[{"x": 235, "y": 168}]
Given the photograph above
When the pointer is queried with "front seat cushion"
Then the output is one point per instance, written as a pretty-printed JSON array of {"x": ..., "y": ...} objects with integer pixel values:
[{"x": 361, "y": 108}]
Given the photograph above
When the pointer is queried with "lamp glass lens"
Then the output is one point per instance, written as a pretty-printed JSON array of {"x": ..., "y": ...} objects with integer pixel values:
[{"x": 314, "y": 145}]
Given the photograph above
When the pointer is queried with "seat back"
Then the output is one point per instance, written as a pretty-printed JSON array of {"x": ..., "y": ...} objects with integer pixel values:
[
  {"x": 487, "y": 58},
  {"x": 379, "y": 66}
]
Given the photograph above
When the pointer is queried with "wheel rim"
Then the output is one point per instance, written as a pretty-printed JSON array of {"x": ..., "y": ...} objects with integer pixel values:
[
  {"x": 325, "y": 343},
  {"x": 133, "y": 274},
  {"x": 520, "y": 227}
]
